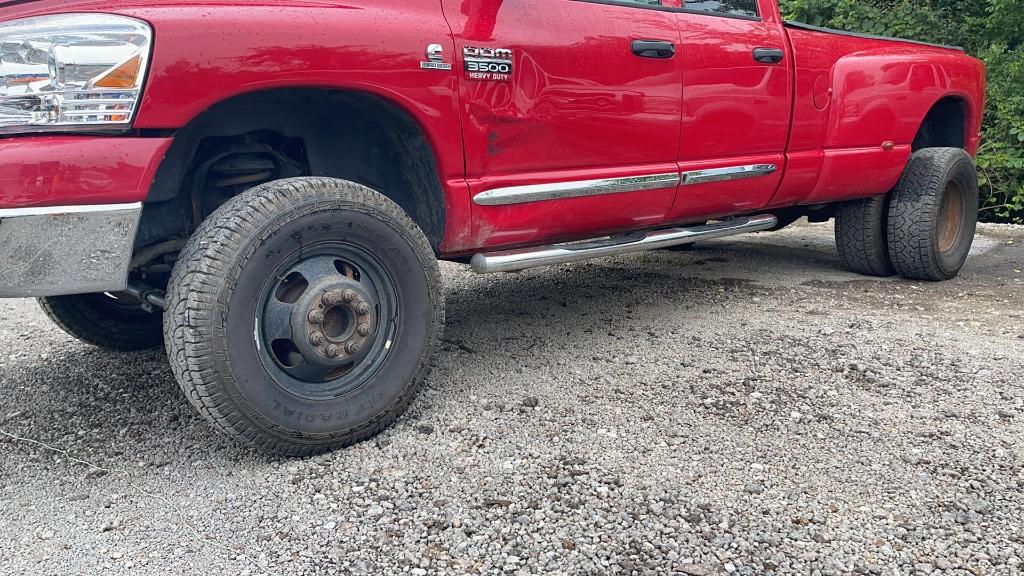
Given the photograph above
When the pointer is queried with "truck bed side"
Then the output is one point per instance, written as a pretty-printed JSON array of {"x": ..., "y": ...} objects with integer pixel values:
[{"x": 860, "y": 103}]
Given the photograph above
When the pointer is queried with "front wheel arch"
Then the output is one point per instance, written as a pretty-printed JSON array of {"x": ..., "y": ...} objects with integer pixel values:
[{"x": 304, "y": 131}]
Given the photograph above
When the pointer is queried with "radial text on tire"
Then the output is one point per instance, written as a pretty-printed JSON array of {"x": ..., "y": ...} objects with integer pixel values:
[{"x": 302, "y": 315}]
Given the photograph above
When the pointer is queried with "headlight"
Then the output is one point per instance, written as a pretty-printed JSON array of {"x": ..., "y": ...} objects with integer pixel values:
[{"x": 71, "y": 71}]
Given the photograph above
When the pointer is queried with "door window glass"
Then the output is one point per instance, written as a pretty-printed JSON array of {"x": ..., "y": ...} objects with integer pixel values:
[{"x": 725, "y": 7}]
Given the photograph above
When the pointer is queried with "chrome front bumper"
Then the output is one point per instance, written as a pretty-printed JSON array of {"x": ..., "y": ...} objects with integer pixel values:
[{"x": 66, "y": 249}]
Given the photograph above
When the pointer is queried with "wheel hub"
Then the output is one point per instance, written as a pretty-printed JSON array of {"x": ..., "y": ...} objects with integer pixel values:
[
  {"x": 333, "y": 322},
  {"x": 326, "y": 321},
  {"x": 950, "y": 219}
]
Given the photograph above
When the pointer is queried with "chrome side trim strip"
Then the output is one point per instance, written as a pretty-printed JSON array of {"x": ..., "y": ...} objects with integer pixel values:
[
  {"x": 559, "y": 190},
  {"x": 574, "y": 189},
  {"x": 514, "y": 260},
  {"x": 55, "y": 210},
  {"x": 727, "y": 173}
]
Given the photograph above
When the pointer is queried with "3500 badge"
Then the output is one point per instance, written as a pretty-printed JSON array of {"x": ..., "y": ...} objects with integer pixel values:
[{"x": 487, "y": 63}]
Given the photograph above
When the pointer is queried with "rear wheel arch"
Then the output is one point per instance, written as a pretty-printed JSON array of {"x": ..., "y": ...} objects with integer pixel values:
[
  {"x": 944, "y": 126},
  {"x": 347, "y": 134}
]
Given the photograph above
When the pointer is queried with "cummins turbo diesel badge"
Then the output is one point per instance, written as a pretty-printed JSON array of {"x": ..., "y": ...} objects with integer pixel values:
[
  {"x": 487, "y": 63},
  {"x": 435, "y": 59}
]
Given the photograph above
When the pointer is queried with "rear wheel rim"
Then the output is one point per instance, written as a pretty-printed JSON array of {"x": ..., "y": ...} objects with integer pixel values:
[
  {"x": 951, "y": 218},
  {"x": 326, "y": 320}
]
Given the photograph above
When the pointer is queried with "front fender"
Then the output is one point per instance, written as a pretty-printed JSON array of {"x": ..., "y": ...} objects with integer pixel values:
[{"x": 208, "y": 53}]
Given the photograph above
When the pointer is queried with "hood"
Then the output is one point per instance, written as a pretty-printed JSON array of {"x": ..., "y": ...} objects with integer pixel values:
[
  {"x": 17, "y": 8},
  {"x": 10, "y": 9}
]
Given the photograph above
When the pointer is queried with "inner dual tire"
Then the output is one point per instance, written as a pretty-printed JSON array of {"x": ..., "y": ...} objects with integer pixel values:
[
  {"x": 303, "y": 313},
  {"x": 115, "y": 322},
  {"x": 923, "y": 229}
]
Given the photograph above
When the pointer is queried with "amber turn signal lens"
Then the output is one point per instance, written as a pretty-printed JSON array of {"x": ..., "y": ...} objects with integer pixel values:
[
  {"x": 26, "y": 80},
  {"x": 123, "y": 76}
]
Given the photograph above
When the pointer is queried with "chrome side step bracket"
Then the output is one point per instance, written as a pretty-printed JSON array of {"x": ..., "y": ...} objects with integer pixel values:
[{"x": 515, "y": 260}]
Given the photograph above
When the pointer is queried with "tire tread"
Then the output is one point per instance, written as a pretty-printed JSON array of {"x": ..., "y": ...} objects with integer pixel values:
[
  {"x": 861, "y": 238},
  {"x": 196, "y": 283},
  {"x": 914, "y": 210},
  {"x": 73, "y": 315}
]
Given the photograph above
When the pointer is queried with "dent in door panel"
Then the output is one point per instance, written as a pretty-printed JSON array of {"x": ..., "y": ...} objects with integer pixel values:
[{"x": 579, "y": 106}]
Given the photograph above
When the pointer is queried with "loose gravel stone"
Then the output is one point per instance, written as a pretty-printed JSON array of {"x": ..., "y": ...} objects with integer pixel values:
[{"x": 746, "y": 407}]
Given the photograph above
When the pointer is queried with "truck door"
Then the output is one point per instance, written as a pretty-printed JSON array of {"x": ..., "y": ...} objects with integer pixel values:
[
  {"x": 736, "y": 106},
  {"x": 571, "y": 115}
]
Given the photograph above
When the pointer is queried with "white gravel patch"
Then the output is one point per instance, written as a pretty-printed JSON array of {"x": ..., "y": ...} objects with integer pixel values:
[{"x": 746, "y": 407}]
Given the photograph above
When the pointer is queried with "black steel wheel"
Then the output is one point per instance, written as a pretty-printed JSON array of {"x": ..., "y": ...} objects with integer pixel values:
[
  {"x": 326, "y": 319},
  {"x": 303, "y": 313}
]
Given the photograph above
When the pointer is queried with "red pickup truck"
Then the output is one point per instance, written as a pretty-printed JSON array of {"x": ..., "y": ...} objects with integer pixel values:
[{"x": 265, "y": 188}]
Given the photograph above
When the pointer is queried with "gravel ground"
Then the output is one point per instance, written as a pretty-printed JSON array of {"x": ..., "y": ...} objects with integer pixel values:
[{"x": 746, "y": 407}]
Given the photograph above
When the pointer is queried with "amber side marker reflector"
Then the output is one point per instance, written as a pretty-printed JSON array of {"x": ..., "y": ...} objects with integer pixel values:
[
  {"x": 25, "y": 80},
  {"x": 123, "y": 76}
]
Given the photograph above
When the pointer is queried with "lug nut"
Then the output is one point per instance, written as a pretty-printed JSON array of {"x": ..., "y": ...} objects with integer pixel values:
[
  {"x": 349, "y": 295},
  {"x": 316, "y": 317},
  {"x": 333, "y": 351},
  {"x": 316, "y": 338},
  {"x": 364, "y": 329},
  {"x": 352, "y": 347},
  {"x": 362, "y": 308},
  {"x": 333, "y": 297}
]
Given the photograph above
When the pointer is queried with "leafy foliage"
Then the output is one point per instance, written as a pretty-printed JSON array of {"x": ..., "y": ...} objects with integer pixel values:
[{"x": 992, "y": 30}]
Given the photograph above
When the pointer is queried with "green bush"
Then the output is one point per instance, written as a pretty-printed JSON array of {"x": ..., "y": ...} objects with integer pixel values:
[{"x": 992, "y": 30}]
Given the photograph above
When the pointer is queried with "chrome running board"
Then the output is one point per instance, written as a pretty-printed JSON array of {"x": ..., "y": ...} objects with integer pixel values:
[{"x": 515, "y": 260}]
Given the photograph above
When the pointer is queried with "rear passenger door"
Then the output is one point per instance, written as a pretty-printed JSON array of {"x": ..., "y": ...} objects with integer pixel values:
[
  {"x": 571, "y": 114},
  {"x": 736, "y": 106}
]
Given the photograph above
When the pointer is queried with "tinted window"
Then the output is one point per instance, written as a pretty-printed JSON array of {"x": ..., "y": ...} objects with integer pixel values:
[{"x": 731, "y": 7}]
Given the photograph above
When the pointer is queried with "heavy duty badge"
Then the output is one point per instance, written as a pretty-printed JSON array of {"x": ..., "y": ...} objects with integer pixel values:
[{"x": 487, "y": 63}]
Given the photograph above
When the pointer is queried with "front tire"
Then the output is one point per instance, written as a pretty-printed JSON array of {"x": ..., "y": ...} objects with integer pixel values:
[
  {"x": 302, "y": 315},
  {"x": 933, "y": 214},
  {"x": 111, "y": 322}
]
